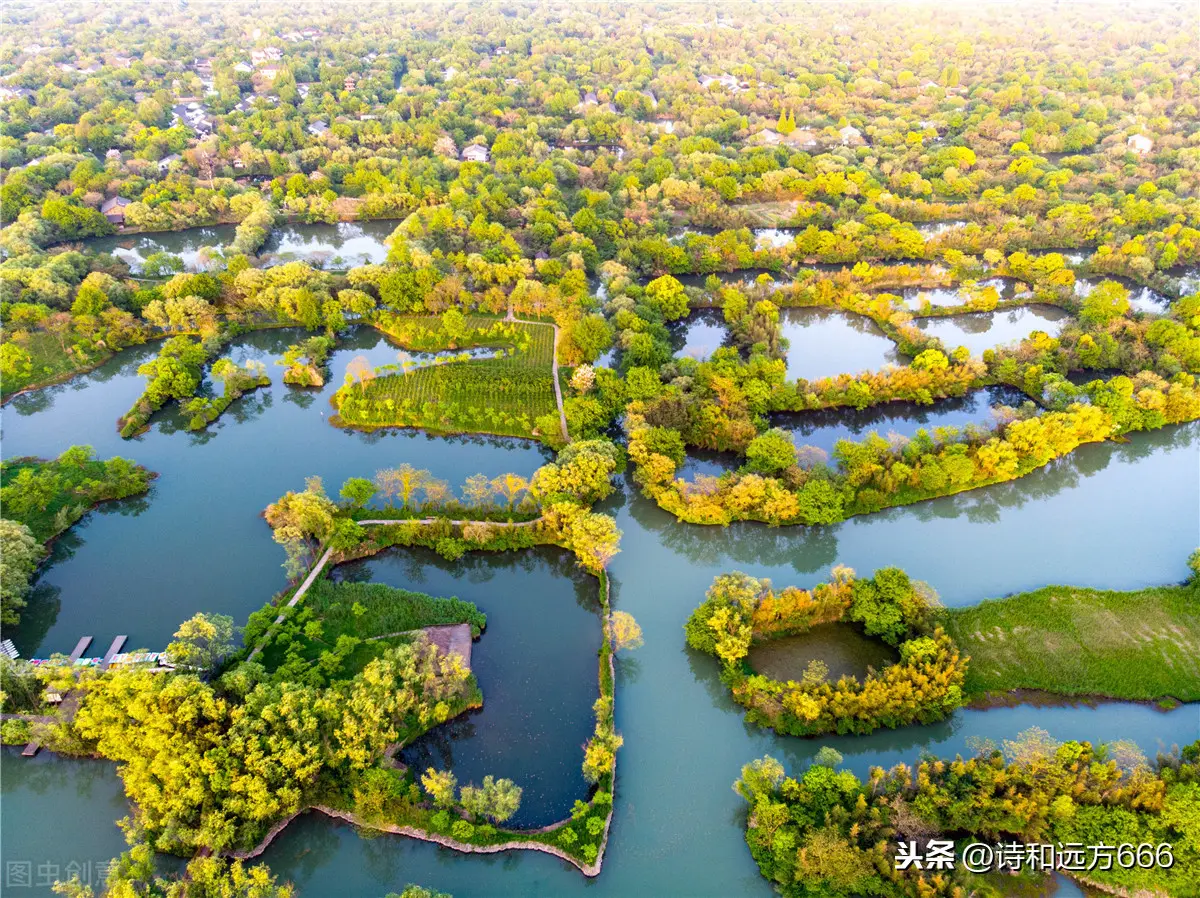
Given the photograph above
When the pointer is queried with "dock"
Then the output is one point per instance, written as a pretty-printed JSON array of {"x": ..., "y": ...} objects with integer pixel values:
[
  {"x": 80, "y": 648},
  {"x": 116, "y": 646}
]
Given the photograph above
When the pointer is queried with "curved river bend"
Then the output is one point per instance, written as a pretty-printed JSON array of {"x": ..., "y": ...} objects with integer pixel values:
[{"x": 1117, "y": 516}]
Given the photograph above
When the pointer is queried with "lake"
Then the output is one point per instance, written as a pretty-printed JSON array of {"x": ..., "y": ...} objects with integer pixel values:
[{"x": 1111, "y": 515}]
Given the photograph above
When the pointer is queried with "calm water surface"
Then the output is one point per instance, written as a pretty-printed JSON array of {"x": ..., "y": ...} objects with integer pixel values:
[
  {"x": 824, "y": 428},
  {"x": 986, "y": 330},
  {"x": 700, "y": 334},
  {"x": 342, "y": 245},
  {"x": 824, "y": 342},
  {"x": 535, "y": 662},
  {"x": 1115, "y": 516},
  {"x": 841, "y": 647}
]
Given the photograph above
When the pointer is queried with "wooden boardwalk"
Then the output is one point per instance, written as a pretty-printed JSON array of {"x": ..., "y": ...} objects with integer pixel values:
[
  {"x": 116, "y": 646},
  {"x": 80, "y": 648}
]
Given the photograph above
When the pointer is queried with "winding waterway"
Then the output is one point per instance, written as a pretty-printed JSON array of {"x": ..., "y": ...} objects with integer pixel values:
[{"x": 1115, "y": 516}]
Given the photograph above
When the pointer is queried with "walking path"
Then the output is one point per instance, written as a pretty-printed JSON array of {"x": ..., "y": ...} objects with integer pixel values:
[
  {"x": 320, "y": 565},
  {"x": 562, "y": 416}
]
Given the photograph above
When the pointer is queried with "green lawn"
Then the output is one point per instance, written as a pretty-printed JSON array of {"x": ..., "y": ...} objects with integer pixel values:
[
  {"x": 364, "y": 611},
  {"x": 503, "y": 395},
  {"x": 48, "y": 363},
  {"x": 1143, "y": 644}
]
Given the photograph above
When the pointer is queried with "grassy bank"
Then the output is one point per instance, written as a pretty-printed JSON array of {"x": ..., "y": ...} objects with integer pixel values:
[{"x": 1143, "y": 644}]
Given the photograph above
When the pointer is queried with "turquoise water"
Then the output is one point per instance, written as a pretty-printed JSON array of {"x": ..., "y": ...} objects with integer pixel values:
[{"x": 1115, "y": 516}]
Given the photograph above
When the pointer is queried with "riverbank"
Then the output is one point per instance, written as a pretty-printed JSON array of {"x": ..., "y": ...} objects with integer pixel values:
[{"x": 1141, "y": 645}]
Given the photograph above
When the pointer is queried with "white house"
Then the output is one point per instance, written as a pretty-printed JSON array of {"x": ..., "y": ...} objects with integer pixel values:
[
  {"x": 165, "y": 163},
  {"x": 850, "y": 134},
  {"x": 476, "y": 152},
  {"x": 1140, "y": 144}
]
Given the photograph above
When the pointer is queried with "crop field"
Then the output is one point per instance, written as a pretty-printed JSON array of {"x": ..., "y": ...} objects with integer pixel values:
[
  {"x": 1072, "y": 641},
  {"x": 504, "y": 395}
]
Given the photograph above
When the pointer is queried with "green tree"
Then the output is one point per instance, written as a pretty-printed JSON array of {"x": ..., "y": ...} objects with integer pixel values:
[
  {"x": 202, "y": 641},
  {"x": 358, "y": 491},
  {"x": 20, "y": 554},
  {"x": 771, "y": 453}
]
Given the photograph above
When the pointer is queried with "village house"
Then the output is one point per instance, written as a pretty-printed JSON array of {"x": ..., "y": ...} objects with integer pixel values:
[
  {"x": 318, "y": 128},
  {"x": 850, "y": 135},
  {"x": 1140, "y": 144},
  {"x": 476, "y": 153},
  {"x": 726, "y": 81},
  {"x": 114, "y": 209},
  {"x": 165, "y": 163}
]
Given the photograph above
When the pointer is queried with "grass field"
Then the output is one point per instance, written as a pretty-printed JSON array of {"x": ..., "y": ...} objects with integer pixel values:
[
  {"x": 768, "y": 214},
  {"x": 365, "y": 611},
  {"x": 48, "y": 363},
  {"x": 502, "y": 395},
  {"x": 1143, "y": 644}
]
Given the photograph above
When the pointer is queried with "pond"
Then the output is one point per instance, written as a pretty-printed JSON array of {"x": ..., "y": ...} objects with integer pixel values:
[
  {"x": 197, "y": 542},
  {"x": 700, "y": 334},
  {"x": 336, "y": 246},
  {"x": 825, "y": 342},
  {"x": 825, "y": 427},
  {"x": 535, "y": 662},
  {"x": 842, "y": 648},
  {"x": 264, "y": 445},
  {"x": 986, "y": 330}
]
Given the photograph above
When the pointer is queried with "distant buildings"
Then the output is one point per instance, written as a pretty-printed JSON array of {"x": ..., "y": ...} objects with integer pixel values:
[
  {"x": 849, "y": 135},
  {"x": 165, "y": 163},
  {"x": 726, "y": 81},
  {"x": 318, "y": 128}
]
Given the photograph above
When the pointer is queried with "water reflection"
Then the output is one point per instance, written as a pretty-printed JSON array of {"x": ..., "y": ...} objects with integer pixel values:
[
  {"x": 334, "y": 246},
  {"x": 825, "y": 342},
  {"x": 536, "y": 664},
  {"x": 700, "y": 334},
  {"x": 986, "y": 330},
  {"x": 823, "y": 428}
]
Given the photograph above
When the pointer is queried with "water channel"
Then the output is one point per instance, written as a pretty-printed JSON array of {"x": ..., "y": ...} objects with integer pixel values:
[
  {"x": 1111, "y": 515},
  {"x": 337, "y": 246}
]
